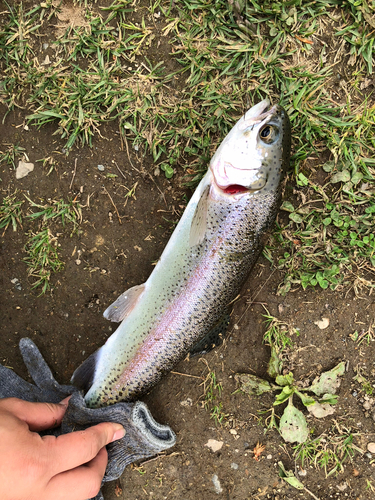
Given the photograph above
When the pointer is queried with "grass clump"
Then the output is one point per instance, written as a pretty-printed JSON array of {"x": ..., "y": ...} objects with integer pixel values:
[
  {"x": 330, "y": 451},
  {"x": 42, "y": 247},
  {"x": 11, "y": 212}
]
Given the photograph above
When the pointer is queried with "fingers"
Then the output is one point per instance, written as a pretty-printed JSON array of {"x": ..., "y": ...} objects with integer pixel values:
[
  {"x": 71, "y": 450},
  {"x": 81, "y": 482},
  {"x": 38, "y": 416}
]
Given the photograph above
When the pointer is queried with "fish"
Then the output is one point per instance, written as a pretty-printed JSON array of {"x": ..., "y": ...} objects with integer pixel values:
[{"x": 183, "y": 306}]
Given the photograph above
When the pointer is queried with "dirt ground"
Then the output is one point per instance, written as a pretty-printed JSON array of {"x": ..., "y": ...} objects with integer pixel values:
[{"x": 112, "y": 252}]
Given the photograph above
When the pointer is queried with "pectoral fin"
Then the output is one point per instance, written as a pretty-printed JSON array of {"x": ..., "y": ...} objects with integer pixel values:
[
  {"x": 122, "y": 306},
  {"x": 214, "y": 337},
  {"x": 199, "y": 222}
]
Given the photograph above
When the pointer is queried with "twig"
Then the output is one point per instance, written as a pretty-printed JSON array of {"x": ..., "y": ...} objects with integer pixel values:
[
  {"x": 114, "y": 206},
  {"x": 187, "y": 375},
  {"x": 121, "y": 172},
  {"x": 74, "y": 174},
  {"x": 127, "y": 150}
]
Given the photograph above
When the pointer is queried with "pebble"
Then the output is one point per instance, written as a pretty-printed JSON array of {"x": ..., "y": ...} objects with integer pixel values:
[
  {"x": 233, "y": 431},
  {"x": 217, "y": 484},
  {"x": 214, "y": 445},
  {"x": 187, "y": 402},
  {"x": 371, "y": 447},
  {"x": 16, "y": 283},
  {"x": 302, "y": 472},
  {"x": 354, "y": 394},
  {"x": 234, "y": 466},
  {"x": 23, "y": 169},
  {"x": 101, "y": 168}
]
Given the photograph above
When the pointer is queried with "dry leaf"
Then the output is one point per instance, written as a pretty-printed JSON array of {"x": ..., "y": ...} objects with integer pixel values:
[{"x": 258, "y": 450}]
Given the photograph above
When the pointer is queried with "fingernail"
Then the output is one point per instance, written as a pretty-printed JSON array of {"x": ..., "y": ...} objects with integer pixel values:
[
  {"x": 119, "y": 432},
  {"x": 65, "y": 401}
]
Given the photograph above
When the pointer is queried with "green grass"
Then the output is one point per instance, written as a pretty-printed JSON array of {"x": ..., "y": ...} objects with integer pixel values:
[
  {"x": 330, "y": 451},
  {"x": 11, "y": 212},
  {"x": 42, "y": 247},
  {"x": 315, "y": 58}
]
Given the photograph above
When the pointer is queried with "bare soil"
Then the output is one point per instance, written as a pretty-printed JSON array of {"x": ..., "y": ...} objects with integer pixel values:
[{"x": 114, "y": 251}]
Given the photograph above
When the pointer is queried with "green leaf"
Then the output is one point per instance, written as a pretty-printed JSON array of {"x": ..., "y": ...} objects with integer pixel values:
[
  {"x": 285, "y": 379},
  {"x": 329, "y": 166},
  {"x": 274, "y": 364},
  {"x": 306, "y": 400},
  {"x": 343, "y": 176},
  {"x": 283, "y": 396},
  {"x": 289, "y": 477},
  {"x": 328, "y": 382},
  {"x": 250, "y": 384},
  {"x": 296, "y": 218},
  {"x": 287, "y": 206},
  {"x": 293, "y": 426}
]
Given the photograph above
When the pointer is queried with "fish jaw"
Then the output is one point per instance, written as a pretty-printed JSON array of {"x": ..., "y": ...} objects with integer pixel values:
[{"x": 255, "y": 153}]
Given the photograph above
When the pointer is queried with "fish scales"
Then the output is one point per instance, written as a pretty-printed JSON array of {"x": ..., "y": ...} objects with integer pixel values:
[{"x": 203, "y": 266}]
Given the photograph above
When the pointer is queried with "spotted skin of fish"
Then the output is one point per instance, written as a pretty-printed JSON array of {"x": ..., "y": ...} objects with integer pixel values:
[{"x": 203, "y": 267}]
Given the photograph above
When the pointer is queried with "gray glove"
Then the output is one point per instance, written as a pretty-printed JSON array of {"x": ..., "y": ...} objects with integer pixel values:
[{"x": 143, "y": 438}]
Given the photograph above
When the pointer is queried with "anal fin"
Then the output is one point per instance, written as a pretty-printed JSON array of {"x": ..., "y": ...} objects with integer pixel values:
[
  {"x": 124, "y": 304},
  {"x": 83, "y": 376},
  {"x": 213, "y": 338}
]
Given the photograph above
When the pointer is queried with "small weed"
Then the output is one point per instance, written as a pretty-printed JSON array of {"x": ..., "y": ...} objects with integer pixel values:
[
  {"x": 10, "y": 212},
  {"x": 366, "y": 385},
  {"x": 369, "y": 486},
  {"x": 293, "y": 425},
  {"x": 67, "y": 212},
  {"x": 212, "y": 390},
  {"x": 42, "y": 258},
  {"x": 329, "y": 451},
  {"x": 42, "y": 247},
  {"x": 11, "y": 153}
]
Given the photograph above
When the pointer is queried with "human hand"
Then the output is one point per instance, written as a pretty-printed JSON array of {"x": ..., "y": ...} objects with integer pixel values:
[{"x": 34, "y": 467}]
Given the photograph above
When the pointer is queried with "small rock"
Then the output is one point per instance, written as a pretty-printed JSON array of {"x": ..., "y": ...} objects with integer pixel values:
[
  {"x": 354, "y": 394},
  {"x": 45, "y": 46},
  {"x": 302, "y": 472},
  {"x": 16, "y": 283},
  {"x": 214, "y": 445},
  {"x": 78, "y": 262},
  {"x": 233, "y": 431},
  {"x": 322, "y": 324},
  {"x": 23, "y": 169},
  {"x": 101, "y": 168},
  {"x": 367, "y": 405},
  {"x": 217, "y": 484},
  {"x": 342, "y": 486},
  {"x": 371, "y": 447},
  {"x": 187, "y": 402},
  {"x": 269, "y": 457},
  {"x": 234, "y": 466}
]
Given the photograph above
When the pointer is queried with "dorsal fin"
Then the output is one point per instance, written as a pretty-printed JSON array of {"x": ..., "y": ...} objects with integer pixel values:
[
  {"x": 199, "y": 222},
  {"x": 124, "y": 304}
]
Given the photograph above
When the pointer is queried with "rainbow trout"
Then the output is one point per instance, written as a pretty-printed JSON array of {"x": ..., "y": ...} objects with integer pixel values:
[{"x": 203, "y": 267}]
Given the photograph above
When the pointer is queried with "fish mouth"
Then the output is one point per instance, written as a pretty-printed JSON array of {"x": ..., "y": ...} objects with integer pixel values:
[{"x": 235, "y": 189}]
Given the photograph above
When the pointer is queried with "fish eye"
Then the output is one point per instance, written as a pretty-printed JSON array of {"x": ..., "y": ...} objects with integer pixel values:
[{"x": 268, "y": 134}]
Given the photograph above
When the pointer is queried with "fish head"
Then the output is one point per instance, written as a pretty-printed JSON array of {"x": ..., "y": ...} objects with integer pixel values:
[{"x": 255, "y": 154}]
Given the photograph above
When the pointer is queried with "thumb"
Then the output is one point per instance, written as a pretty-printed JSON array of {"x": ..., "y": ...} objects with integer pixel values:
[{"x": 38, "y": 416}]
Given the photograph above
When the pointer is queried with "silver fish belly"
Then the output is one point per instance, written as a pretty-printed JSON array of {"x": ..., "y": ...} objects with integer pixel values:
[{"x": 203, "y": 267}]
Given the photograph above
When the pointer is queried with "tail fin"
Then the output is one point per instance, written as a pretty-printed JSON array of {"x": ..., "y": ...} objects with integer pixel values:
[{"x": 84, "y": 375}]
